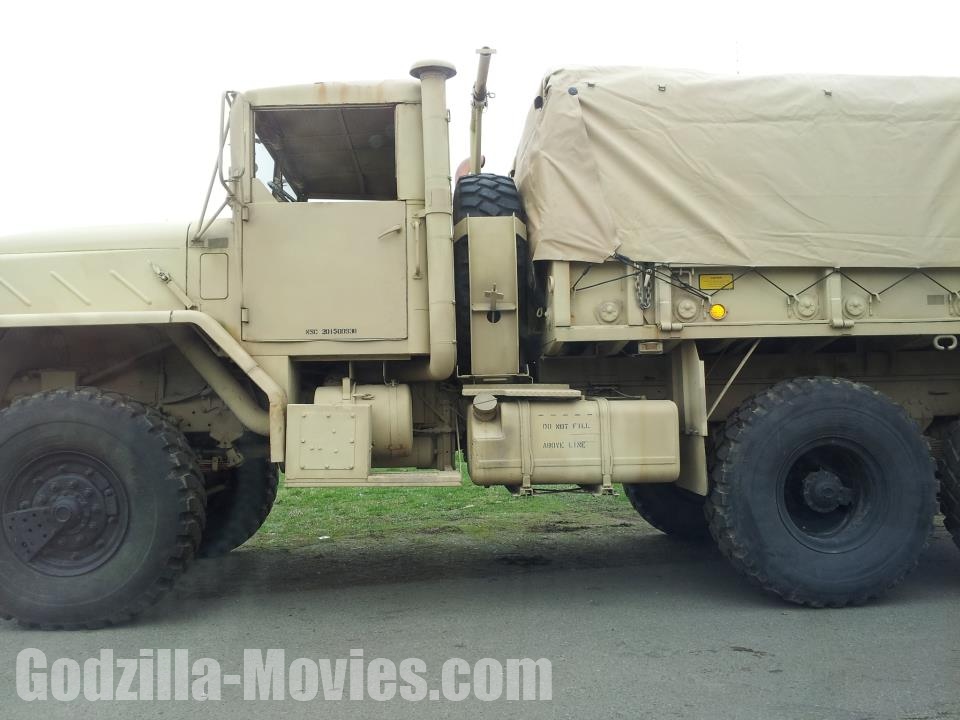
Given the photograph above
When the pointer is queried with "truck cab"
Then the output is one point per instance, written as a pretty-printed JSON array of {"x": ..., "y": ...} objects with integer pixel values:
[{"x": 326, "y": 254}]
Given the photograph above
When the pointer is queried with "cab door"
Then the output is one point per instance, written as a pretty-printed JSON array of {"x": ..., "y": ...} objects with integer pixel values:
[
  {"x": 325, "y": 271},
  {"x": 324, "y": 240}
]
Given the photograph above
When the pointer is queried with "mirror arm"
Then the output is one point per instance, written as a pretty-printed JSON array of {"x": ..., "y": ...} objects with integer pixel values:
[{"x": 217, "y": 170}]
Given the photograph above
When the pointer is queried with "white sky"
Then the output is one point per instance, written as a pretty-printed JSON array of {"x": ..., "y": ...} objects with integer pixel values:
[{"x": 110, "y": 109}]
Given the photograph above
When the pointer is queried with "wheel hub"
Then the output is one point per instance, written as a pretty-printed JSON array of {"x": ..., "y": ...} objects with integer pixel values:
[
  {"x": 65, "y": 509},
  {"x": 824, "y": 492},
  {"x": 65, "y": 514}
]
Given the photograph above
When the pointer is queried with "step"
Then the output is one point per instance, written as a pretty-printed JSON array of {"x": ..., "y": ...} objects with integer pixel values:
[
  {"x": 537, "y": 390},
  {"x": 416, "y": 478}
]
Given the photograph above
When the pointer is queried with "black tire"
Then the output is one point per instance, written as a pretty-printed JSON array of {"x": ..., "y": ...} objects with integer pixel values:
[
  {"x": 824, "y": 492},
  {"x": 118, "y": 490},
  {"x": 671, "y": 510},
  {"x": 483, "y": 195},
  {"x": 486, "y": 195},
  {"x": 237, "y": 512},
  {"x": 950, "y": 481}
]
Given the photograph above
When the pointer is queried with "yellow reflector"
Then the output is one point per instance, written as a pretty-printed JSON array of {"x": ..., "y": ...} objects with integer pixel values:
[{"x": 718, "y": 312}]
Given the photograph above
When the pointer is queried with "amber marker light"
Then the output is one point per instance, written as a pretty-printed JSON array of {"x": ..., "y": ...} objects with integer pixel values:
[{"x": 718, "y": 311}]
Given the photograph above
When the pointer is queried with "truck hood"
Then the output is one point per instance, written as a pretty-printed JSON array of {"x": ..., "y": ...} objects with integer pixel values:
[{"x": 113, "y": 237}]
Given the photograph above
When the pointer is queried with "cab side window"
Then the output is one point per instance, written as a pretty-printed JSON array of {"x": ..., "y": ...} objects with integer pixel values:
[{"x": 327, "y": 153}]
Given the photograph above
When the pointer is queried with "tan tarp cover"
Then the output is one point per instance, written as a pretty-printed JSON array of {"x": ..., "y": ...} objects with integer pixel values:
[{"x": 681, "y": 167}]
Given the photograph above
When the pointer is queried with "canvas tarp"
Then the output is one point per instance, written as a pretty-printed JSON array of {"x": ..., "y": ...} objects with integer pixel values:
[{"x": 682, "y": 167}]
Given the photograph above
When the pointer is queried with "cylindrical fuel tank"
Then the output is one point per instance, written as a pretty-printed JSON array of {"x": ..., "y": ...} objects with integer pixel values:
[{"x": 581, "y": 442}]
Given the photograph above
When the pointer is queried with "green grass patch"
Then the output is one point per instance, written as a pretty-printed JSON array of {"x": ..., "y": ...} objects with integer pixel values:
[{"x": 302, "y": 516}]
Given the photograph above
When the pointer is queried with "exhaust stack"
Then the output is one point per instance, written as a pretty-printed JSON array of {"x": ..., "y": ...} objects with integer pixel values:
[{"x": 438, "y": 209}]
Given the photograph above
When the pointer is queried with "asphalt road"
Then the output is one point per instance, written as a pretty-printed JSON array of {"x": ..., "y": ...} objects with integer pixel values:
[{"x": 635, "y": 627}]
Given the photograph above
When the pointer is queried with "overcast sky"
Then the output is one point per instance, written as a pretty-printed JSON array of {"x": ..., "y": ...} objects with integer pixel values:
[{"x": 110, "y": 110}]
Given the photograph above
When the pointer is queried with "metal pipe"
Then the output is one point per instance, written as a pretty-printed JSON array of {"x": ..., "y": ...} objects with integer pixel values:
[
  {"x": 100, "y": 375},
  {"x": 479, "y": 103},
  {"x": 438, "y": 212},
  {"x": 233, "y": 394},
  {"x": 733, "y": 376}
]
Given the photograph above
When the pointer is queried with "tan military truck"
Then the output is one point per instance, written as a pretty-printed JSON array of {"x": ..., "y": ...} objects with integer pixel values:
[{"x": 737, "y": 298}]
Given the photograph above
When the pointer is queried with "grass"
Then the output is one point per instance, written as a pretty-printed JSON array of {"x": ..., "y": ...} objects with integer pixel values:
[{"x": 308, "y": 516}]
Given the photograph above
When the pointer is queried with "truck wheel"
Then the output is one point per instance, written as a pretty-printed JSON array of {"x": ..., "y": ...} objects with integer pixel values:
[
  {"x": 101, "y": 505},
  {"x": 950, "y": 481},
  {"x": 483, "y": 195},
  {"x": 670, "y": 509},
  {"x": 235, "y": 513},
  {"x": 824, "y": 492}
]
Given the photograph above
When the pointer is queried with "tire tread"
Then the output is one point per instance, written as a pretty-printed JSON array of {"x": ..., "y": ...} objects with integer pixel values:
[
  {"x": 183, "y": 471},
  {"x": 721, "y": 511},
  {"x": 246, "y": 514},
  {"x": 950, "y": 481}
]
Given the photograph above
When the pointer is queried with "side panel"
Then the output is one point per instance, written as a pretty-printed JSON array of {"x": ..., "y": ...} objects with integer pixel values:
[
  {"x": 613, "y": 302},
  {"x": 494, "y": 297},
  {"x": 325, "y": 271},
  {"x": 89, "y": 281},
  {"x": 328, "y": 442},
  {"x": 409, "y": 152}
]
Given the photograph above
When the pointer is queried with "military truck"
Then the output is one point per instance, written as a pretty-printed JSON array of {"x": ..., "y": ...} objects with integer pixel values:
[{"x": 735, "y": 298}]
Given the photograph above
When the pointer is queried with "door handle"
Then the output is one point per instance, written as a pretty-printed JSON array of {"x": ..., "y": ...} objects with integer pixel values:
[{"x": 390, "y": 231}]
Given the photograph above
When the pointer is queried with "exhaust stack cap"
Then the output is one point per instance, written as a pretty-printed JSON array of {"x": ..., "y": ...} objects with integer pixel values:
[{"x": 424, "y": 66}]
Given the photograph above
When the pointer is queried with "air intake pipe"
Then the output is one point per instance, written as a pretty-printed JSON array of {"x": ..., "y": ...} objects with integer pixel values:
[
  {"x": 438, "y": 210},
  {"x": 480, "y": 96}
]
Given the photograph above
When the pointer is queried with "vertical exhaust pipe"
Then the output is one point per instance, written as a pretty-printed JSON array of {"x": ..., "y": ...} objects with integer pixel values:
[{"x": 433, "y": 75}]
